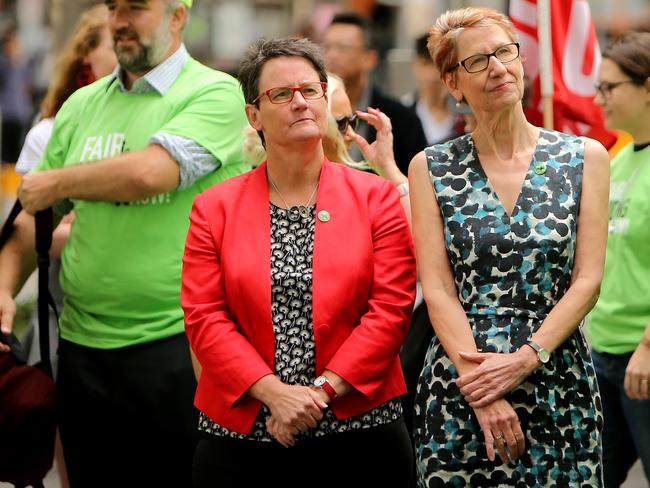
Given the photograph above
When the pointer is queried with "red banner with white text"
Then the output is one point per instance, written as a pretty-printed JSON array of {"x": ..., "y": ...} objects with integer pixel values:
[{"x": 575, "y": 61}]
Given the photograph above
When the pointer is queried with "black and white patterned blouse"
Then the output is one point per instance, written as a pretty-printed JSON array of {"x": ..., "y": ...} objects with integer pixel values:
[{"x": 292, "y": 246}]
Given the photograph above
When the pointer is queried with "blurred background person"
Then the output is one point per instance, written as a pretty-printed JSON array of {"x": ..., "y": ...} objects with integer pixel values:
[
  {"x": 280, "y": 359},
  {"x": 349, "y": 53},
  {"x": 86, "y": 57},
  {"x": 15, "y": 97},
  {"x": 430, "y": 101},
  {"x": 619, "y": 326},
  {"x": 510, "y": 227}
]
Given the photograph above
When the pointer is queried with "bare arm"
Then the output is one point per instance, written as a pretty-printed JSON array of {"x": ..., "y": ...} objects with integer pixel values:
[
  {"x": 589, "y": 262},
  {"x": 17, "y": 261},
  {"x": 447, "y": 315},
  {"x": 61, "y": 234},
  {"x": 127, "y": 177}
]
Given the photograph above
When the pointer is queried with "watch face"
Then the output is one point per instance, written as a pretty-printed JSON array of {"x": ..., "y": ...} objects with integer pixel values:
[
  {"x": 544, "y": 355},
  {"x": 320, "y": 381}
]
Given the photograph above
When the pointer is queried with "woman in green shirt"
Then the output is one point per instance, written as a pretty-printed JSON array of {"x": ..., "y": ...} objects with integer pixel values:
[{"x": 619, "y": 325}]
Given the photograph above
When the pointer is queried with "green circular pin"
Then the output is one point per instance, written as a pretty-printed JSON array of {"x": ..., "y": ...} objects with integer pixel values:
[
  {"x": 323, "y": 216},
  {"x": 540, "y": 168}
]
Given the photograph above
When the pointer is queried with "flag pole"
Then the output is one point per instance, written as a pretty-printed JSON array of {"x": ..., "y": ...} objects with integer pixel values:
[{"x": 545, "y": 57}]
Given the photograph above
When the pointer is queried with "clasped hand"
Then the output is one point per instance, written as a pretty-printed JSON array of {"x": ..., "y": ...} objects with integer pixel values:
[
  {"x": 496, "y": 375},
  {"x": 637, "y": 374},
  {"x": 37, "y": 191},
  {"x": 294, "y": 409},
  {"x": 501, "y": 430}
]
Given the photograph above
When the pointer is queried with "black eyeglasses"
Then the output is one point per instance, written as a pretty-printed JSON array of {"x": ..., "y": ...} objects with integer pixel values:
[
  {"x": 347, "y": 121},
  {"x": 284, "y": 94},
  {"x": 605, "y": 87},
  {"x": 479, "y": 62}
]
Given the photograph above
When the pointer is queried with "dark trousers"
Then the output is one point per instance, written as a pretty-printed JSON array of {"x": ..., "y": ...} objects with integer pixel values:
[
  {"x": 412, "y": 357},
  {"x": 626, "y": 429},
  {"x": 126, "y": 415},
  {"x": 376, "y": 457}
]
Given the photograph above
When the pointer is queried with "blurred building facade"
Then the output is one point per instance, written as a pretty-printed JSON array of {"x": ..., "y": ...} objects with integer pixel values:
[{"x": 220, "y": 30}]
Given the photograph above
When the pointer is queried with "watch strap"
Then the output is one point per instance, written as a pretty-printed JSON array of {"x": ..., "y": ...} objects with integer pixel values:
[
  {"x": 536, "y": 347},
  {"x": 542, "y": 354},
  {"x": 329, "y": 389},
  {"x": 323, "y": 383}
]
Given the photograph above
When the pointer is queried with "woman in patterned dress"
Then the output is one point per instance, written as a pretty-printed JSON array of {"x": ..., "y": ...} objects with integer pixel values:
[
  {"x": 298, "y": 285},
  {"x": 510, "y": 225}
]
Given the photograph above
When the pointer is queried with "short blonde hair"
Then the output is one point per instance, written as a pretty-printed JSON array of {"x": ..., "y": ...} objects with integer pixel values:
[
  {"x": 334, "y": 84},
  {"x": 443, "y": 37}
]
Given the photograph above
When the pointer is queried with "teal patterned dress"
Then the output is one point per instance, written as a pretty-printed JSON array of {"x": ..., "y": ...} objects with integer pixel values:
[{"x": 510, "y": 270}]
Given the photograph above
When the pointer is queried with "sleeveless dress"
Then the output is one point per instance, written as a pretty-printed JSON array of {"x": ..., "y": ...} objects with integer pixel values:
[{"x": 510, "y": 270}]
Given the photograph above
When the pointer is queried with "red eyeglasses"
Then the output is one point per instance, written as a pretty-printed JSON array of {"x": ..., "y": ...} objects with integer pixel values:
[{"x": 284, "y": 94}]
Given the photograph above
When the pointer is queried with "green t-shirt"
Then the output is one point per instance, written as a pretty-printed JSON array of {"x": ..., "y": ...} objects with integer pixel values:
[
  {"x": 622, "y": 313},
  {"x": 121, "y": 267}
]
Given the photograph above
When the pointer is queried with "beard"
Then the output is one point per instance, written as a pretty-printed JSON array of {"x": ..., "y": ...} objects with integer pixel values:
[{"x": 146, "y": 55}]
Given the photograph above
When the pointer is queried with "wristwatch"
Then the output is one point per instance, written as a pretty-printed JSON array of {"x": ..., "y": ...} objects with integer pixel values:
[
  {"x": 323, "y": 383},
  {"x": 542, "y": 354}
]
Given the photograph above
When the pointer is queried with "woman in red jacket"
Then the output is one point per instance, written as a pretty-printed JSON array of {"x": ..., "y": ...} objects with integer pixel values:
[{"x": 298, "y": 284}]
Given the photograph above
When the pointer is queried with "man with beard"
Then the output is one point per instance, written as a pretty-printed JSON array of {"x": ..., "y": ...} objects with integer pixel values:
[{"x": 129, "y": 152}]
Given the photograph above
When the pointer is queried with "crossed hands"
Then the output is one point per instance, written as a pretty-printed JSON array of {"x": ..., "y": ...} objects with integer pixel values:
[
  {"x": 496, "y": 374},
  {"x": 484, "y": 387},
  {"x": 294, "y": 409}
]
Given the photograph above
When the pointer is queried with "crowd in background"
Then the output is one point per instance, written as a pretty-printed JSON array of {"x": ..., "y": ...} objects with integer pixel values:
[{"x": 473, "y": 334}]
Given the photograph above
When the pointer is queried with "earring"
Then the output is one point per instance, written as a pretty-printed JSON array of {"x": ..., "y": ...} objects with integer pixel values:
[{"x": 458, "y": 103}]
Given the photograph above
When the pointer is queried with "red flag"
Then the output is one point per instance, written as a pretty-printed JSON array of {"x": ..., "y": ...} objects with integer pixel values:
[{"x": 575, "y": 61}]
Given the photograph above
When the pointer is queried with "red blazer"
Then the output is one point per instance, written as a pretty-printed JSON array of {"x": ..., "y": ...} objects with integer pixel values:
[{"x": 363, "y": 291}]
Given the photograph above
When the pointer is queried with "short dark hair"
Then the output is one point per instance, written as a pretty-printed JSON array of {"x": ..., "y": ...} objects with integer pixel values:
[
  {"x": 421, "y": 49},
  {"x": 631, "y": 52},
  {"x": 351, "y": 18},
  {"x": 264, "y": 50}
]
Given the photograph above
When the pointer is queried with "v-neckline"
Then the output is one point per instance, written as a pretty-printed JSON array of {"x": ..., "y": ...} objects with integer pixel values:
[{"x": 488, "y": 183}]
